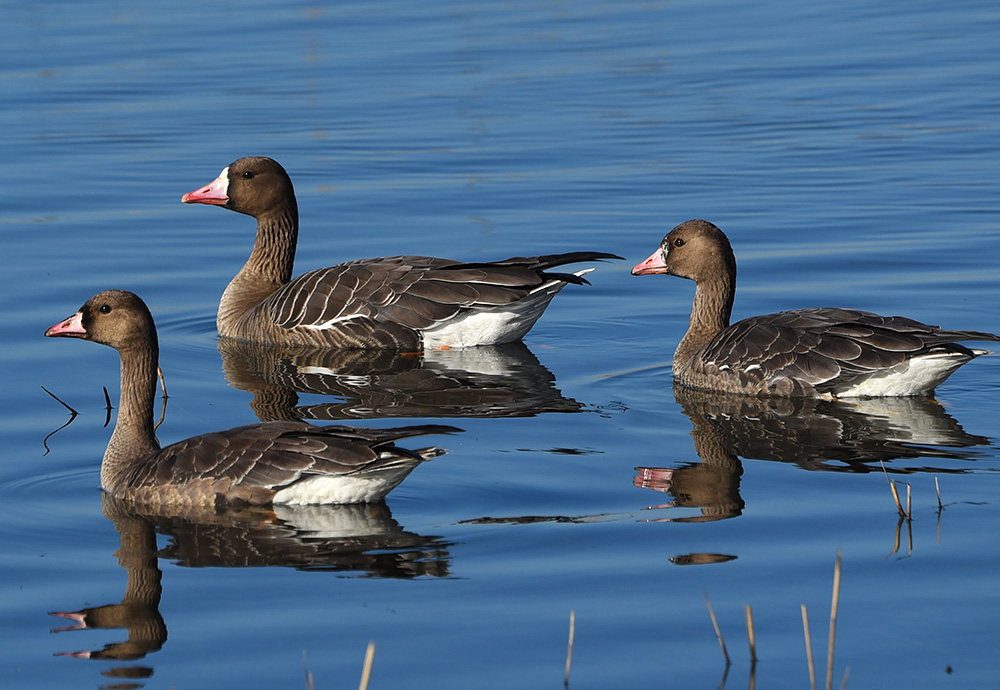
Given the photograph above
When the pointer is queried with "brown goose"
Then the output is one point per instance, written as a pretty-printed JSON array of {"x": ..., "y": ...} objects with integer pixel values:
[
  {"x": 400, "y": 302},
  {"x": 271, "y": 462},
  {"x": 805, "y": 352}
]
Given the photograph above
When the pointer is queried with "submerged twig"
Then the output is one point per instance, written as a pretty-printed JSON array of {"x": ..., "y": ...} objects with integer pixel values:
[
  {"x": 715, "y": 624},
  {"x": 569, "y": 646}
]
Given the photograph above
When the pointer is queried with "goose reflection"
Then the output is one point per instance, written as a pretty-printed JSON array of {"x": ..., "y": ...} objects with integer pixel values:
[
  {"x": 358, "y": 539},
  {"x": 823, "y": 435},
  {"x": 491, "y": 381}
]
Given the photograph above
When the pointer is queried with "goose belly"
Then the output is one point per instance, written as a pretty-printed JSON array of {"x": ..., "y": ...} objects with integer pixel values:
[
  {"x": 492, "y": 325},
  {"x": 917, "y": 376},
  {"x": 344, "y": 489}
]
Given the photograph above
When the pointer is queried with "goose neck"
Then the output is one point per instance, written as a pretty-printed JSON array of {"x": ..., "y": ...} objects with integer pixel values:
[{"x": 133, "y": 439}]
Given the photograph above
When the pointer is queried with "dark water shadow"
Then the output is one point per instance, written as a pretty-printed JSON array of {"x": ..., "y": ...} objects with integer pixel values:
[
  {"x": 493, "y": 381},
  {"x": 353, "y": 540},
  {"x": 818, "y": 435}
]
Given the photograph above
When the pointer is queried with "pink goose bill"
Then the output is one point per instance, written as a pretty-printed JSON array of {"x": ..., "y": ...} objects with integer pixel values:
[
  {"x": 215, "y": 193},
  {"x": 654, "y": 264},
  {"x": 69, "y": 328}
]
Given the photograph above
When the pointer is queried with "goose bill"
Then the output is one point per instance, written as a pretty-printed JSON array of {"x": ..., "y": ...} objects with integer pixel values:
[
  {"x": 68, "y": 328},
  {"x": 654, "y": 264}
]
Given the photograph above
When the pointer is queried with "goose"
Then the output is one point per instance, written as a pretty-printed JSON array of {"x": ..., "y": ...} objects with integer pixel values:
[
  {"x": 825, "y": 352},
  {"x": 408, "y": 303},
  {"x": 282, "y": 462}
]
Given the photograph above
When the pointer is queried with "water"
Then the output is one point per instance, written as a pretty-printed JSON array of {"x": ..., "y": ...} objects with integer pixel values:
[{"x": 849, "y": 153}]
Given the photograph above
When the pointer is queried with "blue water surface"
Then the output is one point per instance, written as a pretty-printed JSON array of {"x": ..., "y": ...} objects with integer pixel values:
[{"x": 848, "y": 150}]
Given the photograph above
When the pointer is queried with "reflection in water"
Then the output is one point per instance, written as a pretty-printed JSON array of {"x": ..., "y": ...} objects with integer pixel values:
[
  {"x": 362, "y": 539},
  {"x": 835, "y": 436},
  {"x": 493, "y": 381}
]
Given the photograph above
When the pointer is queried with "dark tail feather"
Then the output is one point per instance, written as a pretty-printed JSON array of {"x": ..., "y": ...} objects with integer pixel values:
[{"x": 542, "y": 263}]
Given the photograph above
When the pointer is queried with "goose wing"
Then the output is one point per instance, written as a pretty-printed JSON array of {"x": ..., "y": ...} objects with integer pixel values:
[
  {"x": 826, "y": 348},
  {"x": 249, "y": 463},
  {"x": 414, "y": 292}
]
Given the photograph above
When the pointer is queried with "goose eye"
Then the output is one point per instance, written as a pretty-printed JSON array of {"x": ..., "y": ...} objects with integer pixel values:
[
  {"x": 678, "y": 242},
  {"x": 248, "y": 174},
  {"x": 105, "y": 309}
]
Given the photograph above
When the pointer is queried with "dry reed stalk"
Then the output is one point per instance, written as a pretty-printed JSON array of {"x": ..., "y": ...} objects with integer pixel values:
[
  {"x": 833, "y": 622},
  {"x": 892, "y": 487},
  {"x": 366, "y": 672},
  {"x": 748, "y": 613},
  {"x": 569, "y": 646},
  {"x": 937, "y": 488},
  {"x": 909, "y": 504},
  {"x": 843, "y": 683},
  {"x": 163, "y": 381},
  {"x": 809, "y": 648},
  {"x": 715, "y": 624}
]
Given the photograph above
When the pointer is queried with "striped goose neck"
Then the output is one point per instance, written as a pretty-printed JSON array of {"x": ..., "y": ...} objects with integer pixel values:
[
  {"x": 268, "y": 268},
  {"x": 710, "y": 313},
  {"x": 133, "y": 439}
]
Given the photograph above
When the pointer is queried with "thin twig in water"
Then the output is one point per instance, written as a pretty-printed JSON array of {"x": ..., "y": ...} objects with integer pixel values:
[
  {"x": 833, "y": 622},
  {"x": 809, "y": 648},
  {"x": 748, "y": 613},
  {"x": 909, "y": 505},
  {"x": 715, "y": 624},
  {"x": 72, "y": 412},
  {"x": 108, "y": 408},
  {"x": 937, "y": 488},
  {"x": 843, "y": 683},
  {"x": 72, "y": 415},
  {"x": 163, "y": 381},
  {"x": 163, "y": 415},
  {"x": 569, "y": 646},
  {"x": 366, "y": 672},
  {"x": 892, "y": 487}
]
